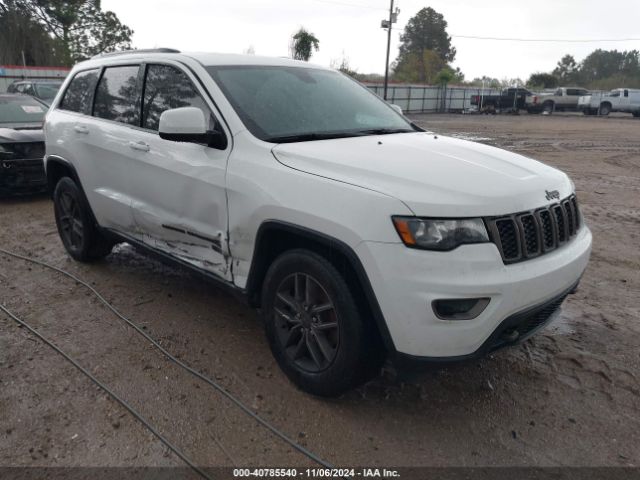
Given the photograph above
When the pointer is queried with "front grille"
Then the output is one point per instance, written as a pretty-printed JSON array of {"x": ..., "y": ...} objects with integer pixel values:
[
  {"x": 508, "y": 231},
  {"x": 526, "y": 235},
  {"x": 547, "y": 229},
  {"x": 521, "y": 329},
  {"x": 531, "y": 234},
  {"x": 22, "y": 175},
  {"x": 20, "y": 151}
]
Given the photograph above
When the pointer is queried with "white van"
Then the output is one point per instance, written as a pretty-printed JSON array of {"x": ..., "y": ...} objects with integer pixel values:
[{"x": 618, "y": 100}]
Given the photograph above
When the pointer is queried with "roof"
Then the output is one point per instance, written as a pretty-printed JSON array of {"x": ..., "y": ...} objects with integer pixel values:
[
  {"x": 210, "y": 59},
  {"x": 207, "y": 59},
  {"x": 38, "y": 80}
]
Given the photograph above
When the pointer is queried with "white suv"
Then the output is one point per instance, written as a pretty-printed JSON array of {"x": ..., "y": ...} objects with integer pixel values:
[{"x": 358, "y": 235}]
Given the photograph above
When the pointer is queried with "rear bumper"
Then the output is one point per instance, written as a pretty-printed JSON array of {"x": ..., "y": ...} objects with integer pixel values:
[{"x": 22, "y": 176}]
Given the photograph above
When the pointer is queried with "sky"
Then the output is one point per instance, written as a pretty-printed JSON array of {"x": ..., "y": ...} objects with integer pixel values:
[{"x": 351, "y": 29}]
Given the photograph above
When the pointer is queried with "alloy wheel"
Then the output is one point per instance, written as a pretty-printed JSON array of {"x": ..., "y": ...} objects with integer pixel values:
[
  {"x": 71, "y": 225},
  {"x": 306, "y": 322}
]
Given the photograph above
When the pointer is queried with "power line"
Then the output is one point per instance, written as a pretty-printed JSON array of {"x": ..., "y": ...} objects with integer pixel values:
[
  {"x": 345, "y": 4},
  {"x": 548, "y": 40}
]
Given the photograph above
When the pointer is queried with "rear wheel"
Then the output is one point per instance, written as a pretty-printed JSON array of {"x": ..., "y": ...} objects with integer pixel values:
[
  {"x": 547, "y": 108},
  {"x": 78, "y": 231},
  {"x": 314, "y": 326},
  {"x": 636, "y": 114}
]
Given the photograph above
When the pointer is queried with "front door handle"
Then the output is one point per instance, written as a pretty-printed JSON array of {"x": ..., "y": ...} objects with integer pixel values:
[
  {"x": 81, "y": 129},
  {"x": 143, "y": 147}
]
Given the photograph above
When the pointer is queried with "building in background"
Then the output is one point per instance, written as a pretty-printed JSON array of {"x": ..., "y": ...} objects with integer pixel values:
[{"x": 12, "y": 73}]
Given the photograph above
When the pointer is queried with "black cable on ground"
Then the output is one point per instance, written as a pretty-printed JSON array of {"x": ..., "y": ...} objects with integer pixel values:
[
  {"x": 212, "y": 383},
  {"x": 110, "y": 392}
]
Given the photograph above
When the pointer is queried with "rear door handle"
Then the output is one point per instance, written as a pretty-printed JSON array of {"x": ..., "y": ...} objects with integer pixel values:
[
  {"x": 81, "y": 129},
  {"x": 143, "y": 147}
]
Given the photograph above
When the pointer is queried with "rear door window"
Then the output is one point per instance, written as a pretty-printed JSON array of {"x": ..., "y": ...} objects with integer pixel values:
[
  {"x": 167, "y": 87},
  {"x": 117, "y": 95},
  {"x": 77, "y": 97}
]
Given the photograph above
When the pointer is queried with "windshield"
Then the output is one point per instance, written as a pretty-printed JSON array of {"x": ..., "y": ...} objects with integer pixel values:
[
  {"x": 21, "y": 109},
  {"x": 47, "y": 91},
  {"x": 287, "y": 104}
]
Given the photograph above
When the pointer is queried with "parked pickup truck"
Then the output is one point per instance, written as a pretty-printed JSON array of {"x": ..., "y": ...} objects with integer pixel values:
[
  {"x": 504, "y": 101},
  {"x": 562, "y": 100},
  {"x": 618, "y": 100}
]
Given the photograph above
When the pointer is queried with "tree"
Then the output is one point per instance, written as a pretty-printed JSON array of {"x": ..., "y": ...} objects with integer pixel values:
[
  {"x": 426, "y": 47},
  {"x": 344, "y": 66},
  {"x": 19, "y": 34},
  {"x": 542, "y": 80},
  {"x": 602, "y": 64},
  {"x": 303, "y": 43},
  {"x": 82, "y": 27},
  {"x": 418, "y": 67},
  {"x": 567, "y": 70}
]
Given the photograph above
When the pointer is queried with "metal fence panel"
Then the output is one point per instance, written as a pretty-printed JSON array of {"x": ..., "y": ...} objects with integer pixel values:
[{"x": 429, "y": 98}]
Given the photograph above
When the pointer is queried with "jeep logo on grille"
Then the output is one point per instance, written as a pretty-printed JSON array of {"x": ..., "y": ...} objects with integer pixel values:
[{"x": 552, "y": 194}]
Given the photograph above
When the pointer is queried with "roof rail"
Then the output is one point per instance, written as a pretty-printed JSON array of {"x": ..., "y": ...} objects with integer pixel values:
[{"x": 142, "y": 50}]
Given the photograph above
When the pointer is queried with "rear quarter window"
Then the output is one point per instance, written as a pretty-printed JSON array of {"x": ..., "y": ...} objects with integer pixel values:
[{"x": 79, "y": 93}]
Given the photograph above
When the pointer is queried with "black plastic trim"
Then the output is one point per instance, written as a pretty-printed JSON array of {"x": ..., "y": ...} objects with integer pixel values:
[{"x": 407, "y": 361}]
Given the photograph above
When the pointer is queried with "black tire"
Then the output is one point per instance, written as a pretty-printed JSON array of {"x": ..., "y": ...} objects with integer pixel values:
[
  {"x": 636, "y": 114},
  {"x": 76, "y": 227},
  {"x": 547, "y": 107},
  {"x": 353, "y": 354},
  {"x": 605, "y": 109}
]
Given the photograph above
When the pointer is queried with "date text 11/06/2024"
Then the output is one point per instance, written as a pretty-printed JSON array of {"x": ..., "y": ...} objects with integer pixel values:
[{"x": 316, "y": 473}]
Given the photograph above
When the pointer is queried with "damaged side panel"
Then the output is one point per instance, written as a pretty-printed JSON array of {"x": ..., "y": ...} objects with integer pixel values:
[{"x": 180, "y": 207}]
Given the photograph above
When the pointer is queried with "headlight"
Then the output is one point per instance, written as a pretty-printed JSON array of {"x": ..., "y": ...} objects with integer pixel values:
[{"x": 440, "y": 234}]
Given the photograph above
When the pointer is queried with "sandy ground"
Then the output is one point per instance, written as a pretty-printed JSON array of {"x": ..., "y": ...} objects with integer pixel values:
[{"x": 568, "y": 397}]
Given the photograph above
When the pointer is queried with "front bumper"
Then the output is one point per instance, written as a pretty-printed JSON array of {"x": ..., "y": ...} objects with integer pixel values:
[
  {"x": 22, "y": 176},
  {"x": 406, "y": 282}
]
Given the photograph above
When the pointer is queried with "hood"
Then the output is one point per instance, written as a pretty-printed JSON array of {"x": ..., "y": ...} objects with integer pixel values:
[
  {"x": 433, "y": 175},
  {"x": 21, "y": 133}
]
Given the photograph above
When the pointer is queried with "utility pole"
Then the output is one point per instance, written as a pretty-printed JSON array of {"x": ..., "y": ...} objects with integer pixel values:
[{"x": 388, "y": 24}]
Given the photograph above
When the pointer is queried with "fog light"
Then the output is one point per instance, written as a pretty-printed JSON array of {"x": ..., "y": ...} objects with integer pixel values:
[{"x": 459, "y": 308}]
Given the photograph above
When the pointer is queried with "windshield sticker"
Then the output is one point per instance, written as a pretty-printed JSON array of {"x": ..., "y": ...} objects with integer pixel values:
[{"x": 32, "y": 108}]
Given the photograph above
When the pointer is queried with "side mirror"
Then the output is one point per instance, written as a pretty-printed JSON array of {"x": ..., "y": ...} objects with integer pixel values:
[
  {"x": 188, "y": 124},
  {"x": 396, "y": 108}
]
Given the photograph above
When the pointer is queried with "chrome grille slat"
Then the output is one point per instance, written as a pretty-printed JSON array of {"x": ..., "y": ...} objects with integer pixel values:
[{"x": 525, "y": 235}]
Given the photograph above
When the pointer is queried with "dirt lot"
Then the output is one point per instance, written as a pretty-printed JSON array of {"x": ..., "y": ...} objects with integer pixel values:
[{"x": 568, "y": 397}]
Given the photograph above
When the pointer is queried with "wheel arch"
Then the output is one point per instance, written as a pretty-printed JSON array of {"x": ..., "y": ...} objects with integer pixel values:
[
  {"x": 275, "y": 237},
  {"x": 607, "y": 104},
  {"x": 56, "y": 168}
]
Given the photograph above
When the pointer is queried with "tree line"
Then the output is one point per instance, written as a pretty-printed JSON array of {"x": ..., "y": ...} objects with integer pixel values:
[
  {"x": 58, "y": 32},
  {"x": 600, "y": 70}
]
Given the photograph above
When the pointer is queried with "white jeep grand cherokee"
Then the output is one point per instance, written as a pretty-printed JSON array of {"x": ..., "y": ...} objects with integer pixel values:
[{"x": 357, "y": 235}]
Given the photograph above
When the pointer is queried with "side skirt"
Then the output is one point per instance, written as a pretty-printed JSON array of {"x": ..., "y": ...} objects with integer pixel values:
[{"x": 167, "y": 259}]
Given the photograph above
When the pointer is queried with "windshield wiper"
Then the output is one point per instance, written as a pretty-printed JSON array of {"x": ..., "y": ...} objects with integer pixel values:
[
  {"x": 385, "y": 131},
  {"x": 307, "y": 137}
]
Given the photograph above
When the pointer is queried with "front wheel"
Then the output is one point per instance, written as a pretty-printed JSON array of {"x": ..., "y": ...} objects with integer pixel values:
[
  {"x": 605, "y": 109},
  {"x": 314, "y": 326},
  {"x": 76, "y": 227}
]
